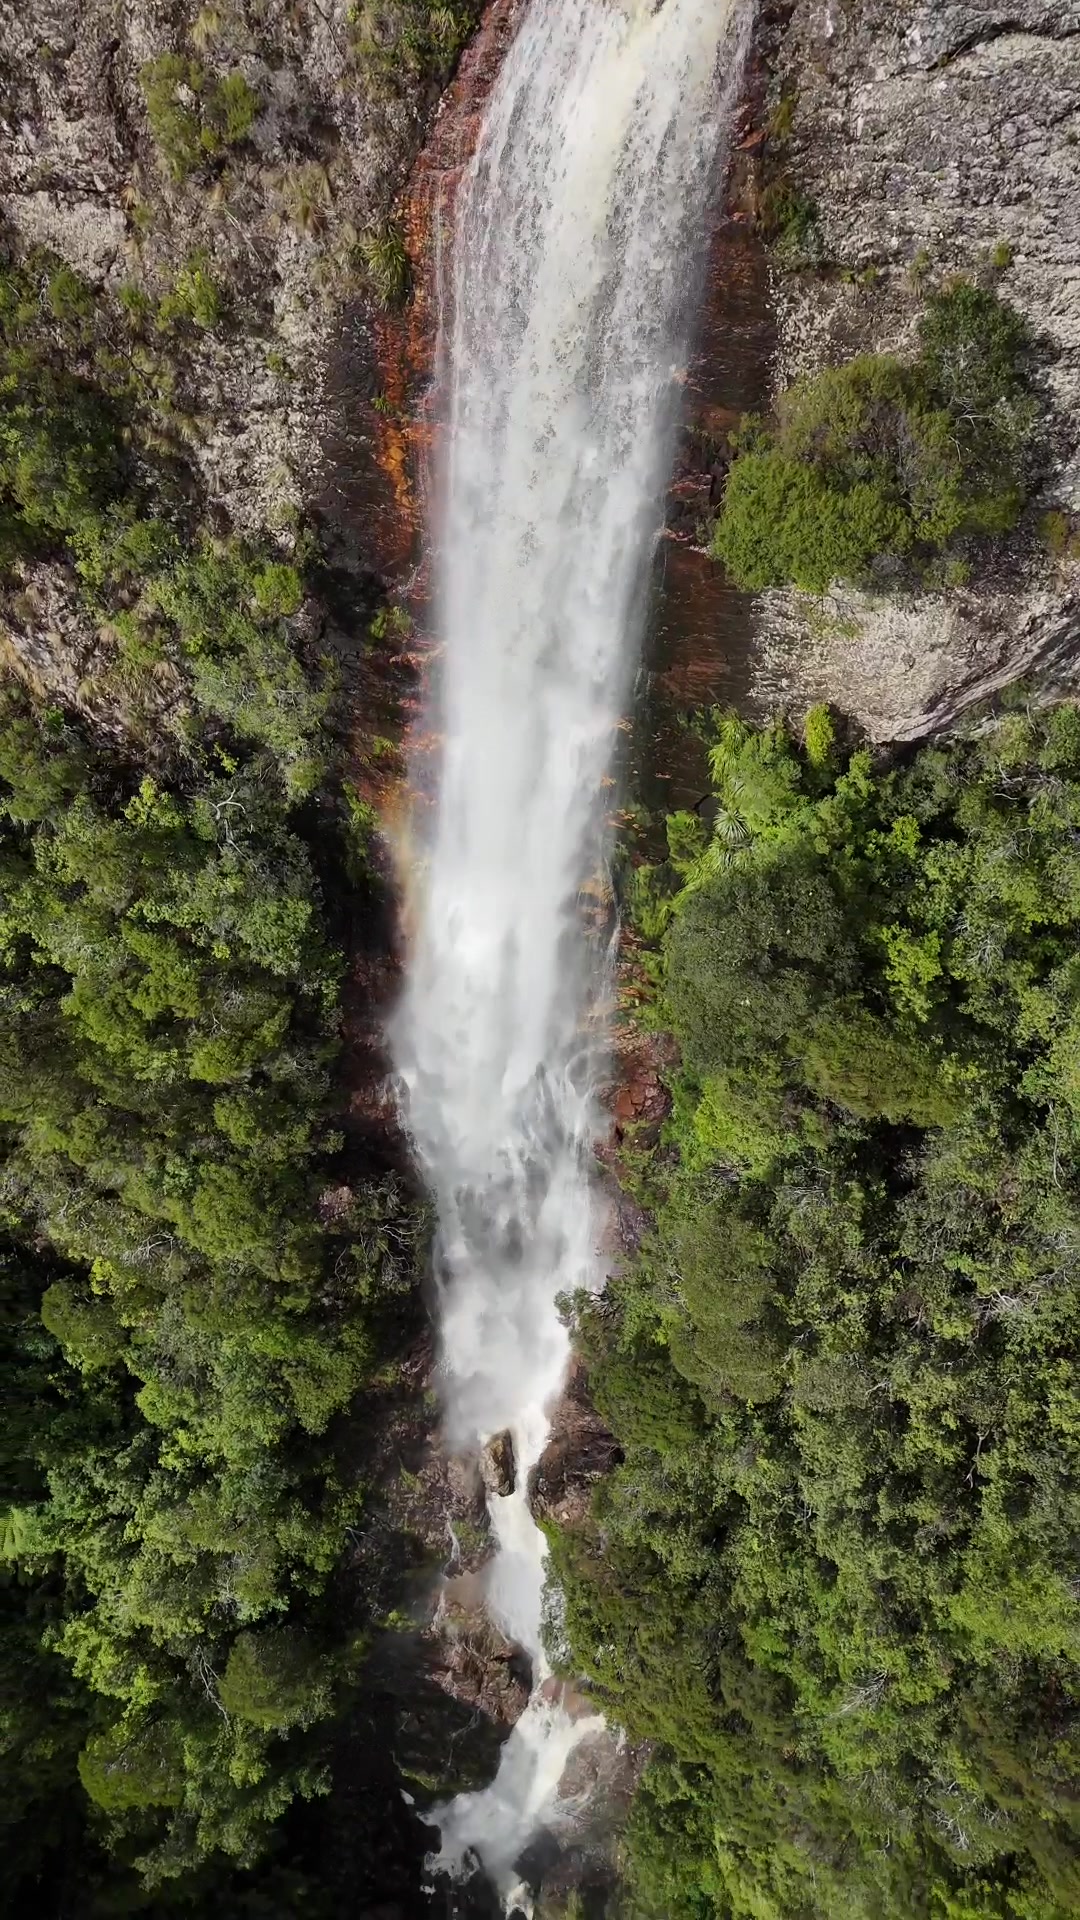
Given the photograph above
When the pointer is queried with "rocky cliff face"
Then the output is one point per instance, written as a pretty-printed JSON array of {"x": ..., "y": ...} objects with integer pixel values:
[
  {"x": 223, "y": 180},
  {"x": 934, "y": 137},
  {"x": 279, "y": 215}
]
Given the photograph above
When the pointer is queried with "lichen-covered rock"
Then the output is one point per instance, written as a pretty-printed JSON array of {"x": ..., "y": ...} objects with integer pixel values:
[
  {"x": 906, "y": 665},
  {"x": 48, "y": 641},
  {"x": 934, "y": 137}
]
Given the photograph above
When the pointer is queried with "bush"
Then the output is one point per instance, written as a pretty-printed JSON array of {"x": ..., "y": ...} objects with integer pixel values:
[
  {"x": 278, "y": 590},
  {"x": 882, "y": 461},
  {"x": 232, "y": 108},
  {"x": 783, "y": 522},
  {"x": 171, "y": 86},
  {"x": 191, "y": 116},
  {"x": 383, "y": 255},
  {"x": 69, "y": 297},
  {"x": 975, "y": 349},
  {"x": 196, "y": 297}
]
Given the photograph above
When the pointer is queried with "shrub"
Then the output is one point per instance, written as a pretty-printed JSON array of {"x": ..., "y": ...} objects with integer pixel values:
[
  {"x": 196, "y": 297},
  {"x": 191, "y": 116},
  {"x": 69, "y": 297},
  {"x": 819, "y": 737},
  {"x": 232, "y": 107},
  {"x": 783, "y": 522},
  {"x": 171, "y": 86},
  {"x": 382, "y": 252},
  {"x": 886, "y": 461},
  {"x": 278, "y": 590},
  {"x": 975, "y": 349}
]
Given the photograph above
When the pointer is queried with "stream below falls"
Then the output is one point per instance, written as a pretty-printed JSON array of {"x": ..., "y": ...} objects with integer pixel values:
[{"x": 572, "y": 292}]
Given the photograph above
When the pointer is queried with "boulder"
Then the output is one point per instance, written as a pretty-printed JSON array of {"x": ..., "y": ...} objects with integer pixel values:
[
  {"x": 497, "y": 1464},
  {"x": 475, "y": 1663},
  {"x": 580, "y": 1452}
]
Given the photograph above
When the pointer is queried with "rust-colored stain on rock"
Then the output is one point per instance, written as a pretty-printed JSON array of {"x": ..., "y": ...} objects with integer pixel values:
[{"x": 406, "y": 343}]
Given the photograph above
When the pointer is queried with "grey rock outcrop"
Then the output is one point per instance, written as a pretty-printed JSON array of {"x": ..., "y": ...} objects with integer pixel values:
[
  {"x": 944, "y": 133},
  {"x": 80, "y": 174},
  {"x": 498, "y": 1466}
]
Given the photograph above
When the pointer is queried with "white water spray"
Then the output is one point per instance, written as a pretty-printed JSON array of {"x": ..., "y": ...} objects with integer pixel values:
[{"x": 578, "y": 223}]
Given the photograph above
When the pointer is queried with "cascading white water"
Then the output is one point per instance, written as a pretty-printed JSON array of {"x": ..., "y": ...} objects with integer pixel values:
[{"x": 578, "y": 224}]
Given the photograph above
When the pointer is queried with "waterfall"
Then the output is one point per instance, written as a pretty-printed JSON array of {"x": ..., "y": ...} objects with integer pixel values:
[{"x": 579, "y": 223}]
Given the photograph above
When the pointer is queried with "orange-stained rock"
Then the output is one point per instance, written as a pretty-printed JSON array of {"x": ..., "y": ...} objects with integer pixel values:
[{"x": 405, "y": 422}]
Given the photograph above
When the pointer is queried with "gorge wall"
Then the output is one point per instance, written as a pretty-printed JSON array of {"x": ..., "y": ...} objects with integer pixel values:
[{"x": 932, "y": 140}]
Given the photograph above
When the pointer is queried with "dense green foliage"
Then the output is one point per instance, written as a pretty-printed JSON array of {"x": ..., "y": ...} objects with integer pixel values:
[
  {"x": 188, "y": 1327},
  {"x": 835, "y": 1579},
  {"x": 885, "y": 460}
]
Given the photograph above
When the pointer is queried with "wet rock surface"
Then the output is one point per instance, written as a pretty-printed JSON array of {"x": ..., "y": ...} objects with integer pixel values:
[
  {"x": 433, "y": 1498},
  {"x": 945, "y": 132},
  {"x": 497, "y": 1465},
  {"x": 638, "y": 1099},
  {"x": 475, "y": 1663},
  {"x": 580, "y": 1452}
]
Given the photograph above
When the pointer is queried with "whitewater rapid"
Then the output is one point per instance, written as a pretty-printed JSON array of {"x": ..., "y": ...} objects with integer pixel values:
[{"x": 575, "y": 265}]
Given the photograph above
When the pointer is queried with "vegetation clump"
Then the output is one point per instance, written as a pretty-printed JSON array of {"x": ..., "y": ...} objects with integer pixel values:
[
  {"x": 883, "y": 462},
  {"x": 834, "y": 1580},
  {"x": 393, "y": 45},
  {"x": 385, "y": 261},
  {"x": 193, "y": 115}
]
